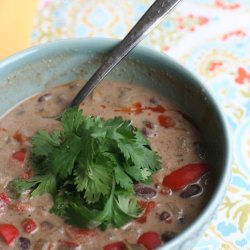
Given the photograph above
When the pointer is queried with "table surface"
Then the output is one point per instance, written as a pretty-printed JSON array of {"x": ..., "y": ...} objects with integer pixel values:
[{"x": 209, "y": 37}]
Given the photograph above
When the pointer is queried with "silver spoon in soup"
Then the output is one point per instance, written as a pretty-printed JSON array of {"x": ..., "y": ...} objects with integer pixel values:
[{"x": 153, "y": 16}]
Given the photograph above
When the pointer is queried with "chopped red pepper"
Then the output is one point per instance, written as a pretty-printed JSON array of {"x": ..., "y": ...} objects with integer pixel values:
[
  {"x": 29, "y": 225},
  {"x": 158, "y": 109},
  {"x": 150, "y": 240},
  {"x": 137, "y": 108},
  {"x": 19, "y": 137},
  {"x": 79, "y": 233},
  {"x": 119, "y": 245},
  {"x": 8, "y": 232},
  {"x": 69, "y": 243},
  {"x": 19, "y": 155},
  {"x": 166, "y": 121},
  {"x": 184, "y": 176},
  {"x": 4, "y": 199},
  {"x": 148, "y": 206}
]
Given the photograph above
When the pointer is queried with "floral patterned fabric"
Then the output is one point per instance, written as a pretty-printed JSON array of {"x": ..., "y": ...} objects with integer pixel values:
[{"x": 209, "y": 37}]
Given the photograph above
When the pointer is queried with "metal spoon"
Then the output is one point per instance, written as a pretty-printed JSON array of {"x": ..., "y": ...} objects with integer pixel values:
[{"x": 154, "y": 15}]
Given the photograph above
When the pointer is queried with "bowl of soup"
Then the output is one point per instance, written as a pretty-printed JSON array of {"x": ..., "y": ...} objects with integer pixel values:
[{"x": 168, "y": 105}]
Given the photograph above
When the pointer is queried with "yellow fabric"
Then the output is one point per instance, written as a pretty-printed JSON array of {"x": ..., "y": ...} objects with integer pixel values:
[{"x": 16, "y": 21}]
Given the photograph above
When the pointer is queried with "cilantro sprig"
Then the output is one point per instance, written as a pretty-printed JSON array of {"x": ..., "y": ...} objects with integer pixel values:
[{"x": 89, "y": 168}]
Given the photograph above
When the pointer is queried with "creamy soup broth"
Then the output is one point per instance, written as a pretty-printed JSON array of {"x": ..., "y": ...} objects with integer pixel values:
[{"x": 171, "y": 133}]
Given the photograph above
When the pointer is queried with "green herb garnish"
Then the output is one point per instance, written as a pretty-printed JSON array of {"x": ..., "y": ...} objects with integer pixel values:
[{"x": 89, "y": 168}]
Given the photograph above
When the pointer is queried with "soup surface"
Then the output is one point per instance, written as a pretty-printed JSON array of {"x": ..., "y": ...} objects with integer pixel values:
[{"x": 171, "y": 133}]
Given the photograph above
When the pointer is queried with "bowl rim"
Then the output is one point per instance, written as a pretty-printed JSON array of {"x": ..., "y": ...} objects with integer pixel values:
[{"x": 209, "y": 211}]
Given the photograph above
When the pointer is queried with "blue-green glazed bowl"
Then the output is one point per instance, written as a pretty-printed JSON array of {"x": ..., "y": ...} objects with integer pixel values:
[{"x": 45, "y": 66}]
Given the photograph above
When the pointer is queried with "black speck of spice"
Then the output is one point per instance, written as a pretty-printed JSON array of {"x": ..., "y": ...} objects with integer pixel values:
[
  {"x": 200, "y": 150},
  {"x": 152, "y": 100},
  {"x": 182, "y": 220}
]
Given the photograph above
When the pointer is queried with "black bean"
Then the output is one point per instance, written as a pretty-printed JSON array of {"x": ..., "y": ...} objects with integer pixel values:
[
  {"x": 165, "y": 216},
  {"x": 191, "y": 191},
  {"x": 145, "y": 192},
  {"x": 24, "y": 243},
  {"x": 44, "y": 97},
  {"x": 167, "y": 236}
]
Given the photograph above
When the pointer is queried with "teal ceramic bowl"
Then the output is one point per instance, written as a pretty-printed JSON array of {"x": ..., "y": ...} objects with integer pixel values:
[{"x": 48, "y": 65}]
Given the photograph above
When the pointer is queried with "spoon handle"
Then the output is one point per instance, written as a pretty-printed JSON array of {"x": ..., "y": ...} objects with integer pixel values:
[{"x": 154, "y": 15}]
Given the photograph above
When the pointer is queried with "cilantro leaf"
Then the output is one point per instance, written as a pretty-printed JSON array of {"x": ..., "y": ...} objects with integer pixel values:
[
  {"x": 122, "y": 178},
  {"x": 40, "y": 184},
  {"x": 43, "y": 142},
  {"x": 81, "y": 216},
  {"x": 136, "y": 173},
  {"x": 126, "y": 209},
  {"x": 63, "y": 159},
  {"x": 118, "y": 210},
  {"x": 151, "y": 160},
  {"x": 90, "y": 168},
  {"x": 71, "y": 120},
  {"x": 93, "y": 179},
  {"x": 60, "y": 205}
]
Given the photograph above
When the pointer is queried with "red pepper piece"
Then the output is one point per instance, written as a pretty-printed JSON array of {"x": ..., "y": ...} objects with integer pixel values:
[
  {"x": 19, "y": 155},
  {"x": 150, "y": 240},
  {"x": 148, "y": 207},
  {"x": 69, "y": 243},
  {"x": 166, "y": 121},
  {"x": 79, "y": 233},
  {"x": 4, "y": 199},
  {"x": 8, "y": 232},
  {"x": 19, "y": 137},
  {"x": 29, "y": 225},
  {"x": 137, "y": 108},
  {"x": 184, "y": 176},
  {"x": 158, "y": 109},
  {"x": 115, "y": 246}
]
